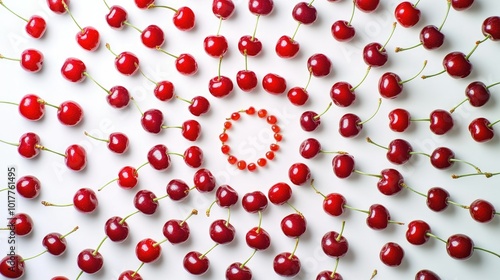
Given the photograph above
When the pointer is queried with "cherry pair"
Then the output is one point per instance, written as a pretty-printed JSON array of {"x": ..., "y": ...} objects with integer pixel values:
[{"x": 440, "y": 121}]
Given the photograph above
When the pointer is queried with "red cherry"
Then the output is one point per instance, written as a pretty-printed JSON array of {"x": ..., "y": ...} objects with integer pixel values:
[
  {"x": 184, "y": 19},
  {"x": 327, "y": 274},
  {"x": 144, "y": 4},
  {"x": 343, "y": 165},
  {"x": 12, "y": 266},
  {"x": 90, "y": 261},
  {"x": 461, "y": 5},
  {"x": 223, "y": 8},
  {"x": 158, "y": 157},
  {"x": 54, "y": 244},
  {"x": 390, "y": 85},
  {"x": 319, "y": 65},
  {"x": 309, "y": 148},
  {"x": 260, "y": 7},
  {"x": 254, "y": 202},
  {"x": 148, "y": 250},
  {"x": 375, "y": 55},
  {"x": 186, "y": 64},
  {"x": 75, "y": 157},
  {"x": 477, "y": 93},
  {"x": 70, "y": 113},
  {"x": 417, "y": 232},
  {"x": 116, "y": 17},
  {"x": 221, "y": 231},
  {"x": 191, "y": 130},
  {"x": 238, "y": 271},
  {"x": 298, "y": 96},
  {"x": 220, "y": 86},
  {"x": 176, "y": 231},
  {"x": 57, "y": 6},
  {"x": 85, "y": 200},
  {"x": 481, "y": 130},
  {"x": 442, "y": 158},
  {"x": 28, "y": 187},
  {"x": 304, "y": 13},
  {"x": 193, "y": 156},
  {"x": 152, "y": 121},
  {"x": 279, "y": 193},
  {"x": 457, "y": 65},
  {"x": 333, "y": 204},
  {"x": 391, "y": 254},
  {"x": 127, "y": 63},
  {"x": 441, "y": 121},
  {"x": 334, "y": 244},
  {"x": 437, "y": 199},
  {"x": 21, "y": 224},
  {"x": 73, "y": 70},
  {"x": 399, "y": 120},
  {"x": 117, "y": 229},
  {"x": 203, "y": 180},
  {"x": 310, "y": 120},
  {"x": 299, "y": 173},
  {"x": 196, "y": 263},
  {"x": 391, "y": 182},
  {"x": 342, "y": 94},
  {"x": 199, "y": 105},
  {"x": 286, "y": 264},
  {"x": 460, "y": 246},
  {"x": 426, "y": 274},
  {"x": 407, "y": 14},
  {"x": 399, "y": 151},
  {"x": 257, "y": 238},
  {"x": 127, "y": 177},
  {"x": 367, "y": 6},
  {"x": 246, "y": 80},
  {"x": 88, "y": 38},
  {"x": 226, "y": 196},
  {"x": 146, "y": 202},
  {"x": 286, "y": 47},
  {"x": 215, "y": 45},
  {"x": 294, "y": 225},
  {"x": 118, "y": 142},
  {"x": 29, "y": 145},
  {"x": 31, "y": 60},
  {"x": 343, "y": 31},
  {"x": 274, "y": 83},
  {"x": 129, "y": 275},
  {"x": 482, "y": 211},
  {"x": 118, "y": 97},
  {"x": 177, "y": 189},
  {"x": 378, "y": 217},
  {"x": 350, "y": 125},
  {"x": 431, "y": 37},
  {"x": 491, "y": 28},
  {"x": 32, "y": 107},
  {"x": 153, "y": 37},
  {"x": 248, "y": 45},
  {"x": 164, "y": 90}
]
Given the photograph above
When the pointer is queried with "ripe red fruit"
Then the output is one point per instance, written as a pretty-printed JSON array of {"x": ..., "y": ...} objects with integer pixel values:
[
  {"x": 299, "y": 173},
  {"x": 407, "y": 14},
  {"x": 274, "y": 83},
  {"x": 460, "y": 246},
  {"x": 367, "y": 6},
  {"x": 391, "y": 254}
]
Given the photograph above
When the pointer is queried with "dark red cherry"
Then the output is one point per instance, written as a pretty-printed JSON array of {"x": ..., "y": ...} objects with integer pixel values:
[
  {"x": 477, "y": 93},
  {"x": 309, "y": 148},
  {"x": 260, "y": 7},
  {"x": 118, "y": 97},
  {"x": 426, "y": 274},
  {"x": 152, "y": 121},
  {"x": 367, "y": 6},
  {"x": 28, "y": 187},
  {"x": 176, "y": 231},
  {"x": 417, "y": 232},
  {"x": 158, "y": 157},
  {"x": 375, "y": 55},
  {"x": 196, "y": 263},
  {"x": 90, "y": 261},
  {"x": 461, "y": 5},
  {"x": 457, "y": 65},
  {"x": 491, "y": 27},
  {"x": 327, "y": 274},
  {"x": 431, "y": 37},
  {"x": 191, "y": 130},
  {"x": 378, "y": 217},
  {"x": 442, "y": 158},
  {"x": 299, "y": 173},
  {"x": 407, "y": 14},
  {"x": 334, "y": 244},
  {"x": 441, "y": 121},
  {"x": 223, "y": 8},
  {"x": 319, "y": 65},
  {"x": 258, "y": 239},
  {"x": 342, "y": 94},
  {"x": 391, "y": 181},
  {"x": 481, "y": 130},
  {"x": 437, "y": 199},
  {"x": 399, "y": 151},
  {"x": 343, "y": 31},
  {"x": 391, "y": 254},
  {"x": 54, "y": 244},
  {"x": 85, "y": 200},
  {"x": 177, "y": 189},
  {"x": 343, "y": 165},
  {"x": 482, "y": 211},
  {"x": 116, "y": 229},
  {"x": 350, "y": 125},
  {"x": 304, "y": 13},
  {"x": 145, "y": 201},
  {"x": 226, "y": 196},
  {"x": 254, "y": 202},
  {"x": 118, "y": 142},
  {"x": 12, "y": 266},
  {"x": 460, "y": 246},
  {"x": 238, "y": 271},
  {"x": 203, "y": 180},
  {"x": 390, "y": 85},
  {"x": 286, "y": 264},
  {"x": 399, "y": 120},
  {"x": 294, "y": 225},
  {"x": 21, "y": 224},
  {"x": 193, "y": 156},
  {"x": 199, "y": 106},
  {"x": 333, "y": 204},
  {"x": 221, "y": 231},
  {"x": 126, "y": 275}
]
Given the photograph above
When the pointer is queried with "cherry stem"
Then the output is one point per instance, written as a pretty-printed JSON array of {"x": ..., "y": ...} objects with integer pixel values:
[
  {"x": 247, "y": 260},
  {"x": 293, "y": 207},
  {"x": 193, "y": 212},
  {"x": 106, "y": 3},
  {"x": 414, "y": 77},
  {"x": 316, "y": 190},
  {"x": 326, "y": 110},
  {"x": 1, "y": 3},
  {"x": 10, "y": 103},
  {"x": 260, "y": 222},
  {"x": 95, "y": 138},
  {"x": 399, "y": 49},
  {"x": 437, "y": 237},
  {"x": 71, "y": 15},
  {"x": 99, "y": 246},
  {"x": 128, "y": 216},
  {"x": 413, "y": 190},
  {"x": 486, "y": 174},
  {"x": 220, "y": 25},
  {"x": 341, "y": 232},
  {"x": 334, "y": 152},
  {"x": 352, "y": 13},
  {"x": 296, "y": 30},
  {"x": 137, "y": 270},
  {"x": 374, "y": 273},
  {"x": 294, "y": 248},
  {"x": 332, "y": 275},
  {"x": 160, "y": 6},
  {"x": 110, "y": 50},
  {"x": 165, "y": 52},
  {"x": 310, "y": 3},
  {"x": 161, "y": 197},
  {"x": 492, "y": 85},
  {"x": 255, "y": 28},
  {"x": 108, "y": 183},
  {"x": 228, "y": 216},
  {"x": 468, "y": 163},
  {"x": 46, "y": 203},
  {"x": 144, "y": 75},
  {"x": 396, "y": 222},
  {"x": 219, "y": 66},
  {"x": 390, "y": 36},
  {"x": 141, "y": 166},
  {"x": 210, "y": 208},
  {"x": 209, "y": 250},
  {"x": 9, "y": 58},
  {"x": 93, "y": 80},
  {"x": 79, "y": 275},
  {"x": 133, "y": 26},
  {"x": 477, "y": 45},
  {"x": 43, "y": 148},
  {"x": 175, "y": 154},
  {"x": 433, "y": 75},
  {"x": 367, "y": 174},
  {"x": 459, "y": 104},
  {"x": 246, "y": 59},
  {"x": 308, "y": 80},
  {"x": 185, "y": 100},
  {"x": 159, "y": 243},
  {"x": 446, "y": 15},
  {"x": 2, "y": 190},
  {"x": 35, "y": 256},
  {"x": 9, "y": 143},
  {"x": 493, "y": 123},
  {"x": 487, "y": 251},
  {"x": 70, "y": 232},
  {"x": 137, "y": 106},
  {"x": 420, "y": 120},
  {"x": 356, "y": 209},
  {"x": 414, "y": 5},
  {"x": 373, "y": 115},
  {"x": 362, "y": 80},
  {"x": 369, "y": 140},
  {"x": 420, "y": 153},
  {"x": 457, "y": 204}
]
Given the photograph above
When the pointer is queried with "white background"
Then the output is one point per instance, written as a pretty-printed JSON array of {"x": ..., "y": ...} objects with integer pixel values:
[{"x": 420, "y": 97}]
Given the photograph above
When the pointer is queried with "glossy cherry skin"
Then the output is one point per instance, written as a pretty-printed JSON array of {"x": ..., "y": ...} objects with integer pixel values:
[
  {"x": 116, "y": 17},
  {"x": 193, "y": 156},
  {"x": 246, "y": 80},
  {"x": 116, "y": 229},
  {"x": 399, "y": 120},
  {"x": 177, "y": 189},
  {"x": 298, "y": 96},
  {"x": 12, "y": 266},
  {"x": 195, "y": 263},
  {"x": 286, "y": 264},
  {"x": 327, "y": 274},
  {"x": 153, "y": 37},
  {"x": 75, "y": 157},
  {"x": 176, "y": 231},
  {"x": 309, "y": 148},
  {"x": 417, "y": 232},
  {"x": 220, "y": 86},
  {"x": 482, "y": 211},
  {"x": 54, "y": 244},
  {"x": 223, "y": 8},
  {"x": 85, "y": 200},
  {"x": 389, "y": 85},
  {"x": 342, "y": 31},
  {"x": 461, "y": 5},
  {"x": 374, "y": 55},
  {"x": 203, "y": 180},
  {"x": 57, "y": 6},
  {"x": 309, "y": 121},
  {"x": 441, "y": 158},
  {"x": 391, "y": 254},
  {"x": 426, "y": 274},
  {"x": 457, "y": 65},
  {"x": 378, "y": 217},
  {"x": 274, "y": 83},
  {"x": 164, "y": 90},
  {"x": 28, "y": 187},
  {"x": 477, "y": 93},
  {"x": 441, "y": 121},
  {"x": 254, "y": 202},
  {"x": 127, "y": 63},
  {"x": 334, "y": 245},
  {"x": 32, "y": 107},
  {"x": 21, "y": 224},
  {"x": 260, "y": 7},
  {"x": 73, "y": 69},
  {"x": 248, "y": 45},
  {"x": 237, "y": 271},
  {"x": 391, "y": 182},
  {"x": 191, "y": 130},
  {"x": 70, "y": 113},
  {"x": 299, "y": 173},
  {"x": 90, "y": 261},
  {"x": 186, "y": 64},
  {"x": 128, "y": 177},
  {"x": 143, "y": 4},
  {"x": 279, "y": 193},
  {"x": 460, "y": 246},
  {"x": 350, "y": 125},
  {"x": 221, "y": 231},
  {"x": 342, "y": 94},
  {"x": 184, "y": 19},
  {"x": 319, "y": 65},
  {"x": 29, "y": 145},
  {"x": 367, "y": 6},
  {"x": 31, "y": 60},
  {"x": 491, "y": 27},
  {"x": 480, "y": 130},
  {"x": 333, "y": 204},
  {"x": 343, "y": 165},
  {"x": 294, "y": 225},
  {"x": 215, "y": 45},
  {"x": 199, "y": 106},
  {"x": 431, "y": 37},
  {"x": 152, "y": 121},
  {"x": 399, "y": 151},
  {"x": 286, "y": 47},
  {"x": 118, "y": 142},
  {"x": 159, "y": 158},
  {"x": 304, "y": 13},
  {"x": 437, "y": 199},
  {"x": 407, "y": 14},
  {"x": 145, "y": 201},
  {"x": 258, "y": 238},
  {"x": 88, "y": 38},
  {"x": 118, "y": 97},
  {"x": 129, "y": 275},
  {"x": 226, "y": 196},
  {"x": 148, "y": 250}
]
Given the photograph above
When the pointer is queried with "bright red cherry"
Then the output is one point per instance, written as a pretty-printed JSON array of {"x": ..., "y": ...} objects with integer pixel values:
[
  {"x": 196, "y": 263},
  {"x": 287, "y": 47},
  {"x": 391, "y": 254},
  {"x": 274, "y": 83},
  {"x": 333, "y": 204},
  {"x": 70, "y": 113},
  {"x": 21, "y": 224},
  {"x": 304, "y": 13},
  {"x": 12, "y": 266},
  {"x": 457, "y": 65},
  {"x": 299, "y": 173},
  {"x": 28, "y": 186},
  {"x": 223, "y": 8},
  {"x": 407, "y": 14},
  {"x": 88, "y": 38},
  {"x": 31, "y": 60},
  {"x": 29, "y": 145},
  {"x": 73, "y": 70},
  {"x": 32, "y": 107},
  {"x": 116, "y": 228},
  {"x": 148, "y": 250},
  {"x": 153, "y": 37},
  {"x": 246, "y": 80},
  {"x": 221, "y": 231},
  {"x": 248, "y": 45},
  {"x": 127, "y": 177},
  {"x": 343, "y": 31},
  {"x": 367, "y": 6},
  {"x": 203, "y": 180},
  {"x": 176, "y": 231},
  {"x": 481, "y": 130},
  {"x": 257, "y": 238},
  {"x": 198, "y": 106},
  {"x": 417, "y": 232},
  {"x": 116, "y": 17},
  {"x": 126, "y": 63},
  {"x": 144, "y": 4},
  {"x": 152, "y": 121},
  {"x": 279, "y": 193},
  {"x": 215, "y": 45},
  {"x": 294, "y": 225},
  {"x": 286, "y": 264},
  {"x": 399, "y": 120},
  {"x": 254, "y": 202},
  {"x": 57, "y": 6},
  {"x": 90, "y": 261},
  {"x": 85, "y": 200},
  {"x": 159, "y": 158},
  {"x": 191, "y": 130},
  {"x": 298, "y": 96},
  {"x": 193, "y": 156},
  {"x": 220, "y": 86},
  {"x": 319, "y": 65},
  {"x": 261, "y": 7},
  {"x": 343, "y": 165},
  {"x": 75, "y": 157},
  {"x": 186, "y": 64},
  {"x": 184, "y": 19},
  {"x": 460, "y": 246}
]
